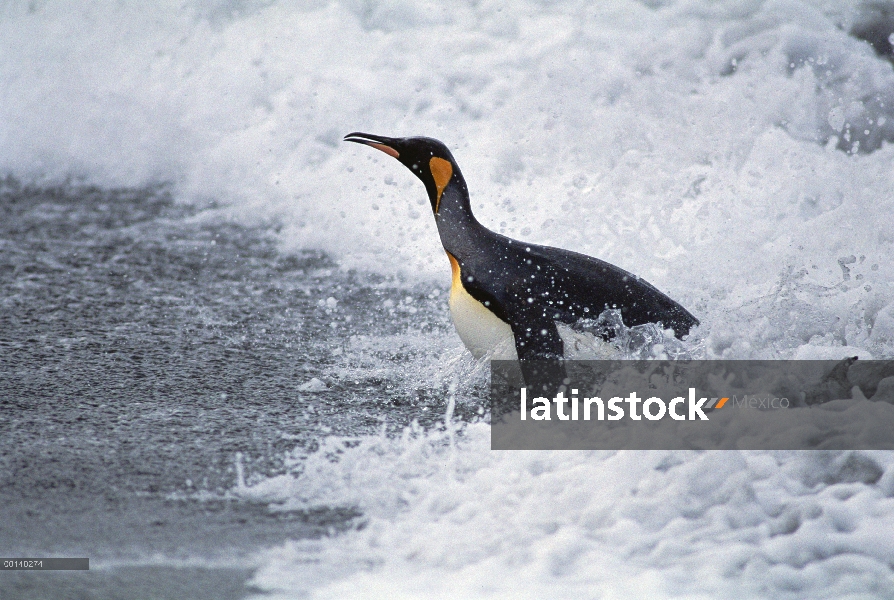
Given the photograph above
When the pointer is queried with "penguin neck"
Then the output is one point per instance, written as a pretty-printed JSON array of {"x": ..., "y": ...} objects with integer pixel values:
[{"x": 457, "y": 225}]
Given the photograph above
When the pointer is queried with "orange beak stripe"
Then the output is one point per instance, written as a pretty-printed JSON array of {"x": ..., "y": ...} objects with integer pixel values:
[{"x": 386, "y": 149}]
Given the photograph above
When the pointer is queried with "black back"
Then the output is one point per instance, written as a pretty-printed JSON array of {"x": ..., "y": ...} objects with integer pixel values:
[{"x": 530, "y": 287}]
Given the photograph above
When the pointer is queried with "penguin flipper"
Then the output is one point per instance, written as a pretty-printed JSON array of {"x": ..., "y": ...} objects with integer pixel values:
[
  {"x": 537, "y": 339},
  {"x": 540, "y": 350}
]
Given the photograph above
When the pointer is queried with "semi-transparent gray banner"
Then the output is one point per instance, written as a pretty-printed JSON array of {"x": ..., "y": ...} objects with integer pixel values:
[{"x": 707, "y": 405}]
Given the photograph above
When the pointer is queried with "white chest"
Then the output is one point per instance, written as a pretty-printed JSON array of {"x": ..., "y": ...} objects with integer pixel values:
[{"x": 480, "y": 330}]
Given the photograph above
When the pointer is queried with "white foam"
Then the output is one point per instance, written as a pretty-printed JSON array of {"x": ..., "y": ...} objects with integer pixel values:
[
  {"x": 810, "y": 352},
  {"x": 458, "y": 520}
]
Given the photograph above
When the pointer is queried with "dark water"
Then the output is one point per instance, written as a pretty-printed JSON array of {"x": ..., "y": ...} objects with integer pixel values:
[{"x": 143, "y": 346}]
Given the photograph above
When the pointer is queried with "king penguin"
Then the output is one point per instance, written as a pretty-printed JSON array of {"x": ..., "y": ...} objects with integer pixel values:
[{"x": 504, "y": 289}]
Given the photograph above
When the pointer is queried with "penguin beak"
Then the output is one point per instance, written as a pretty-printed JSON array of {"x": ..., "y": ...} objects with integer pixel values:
[{"x": 378, "y": 142}]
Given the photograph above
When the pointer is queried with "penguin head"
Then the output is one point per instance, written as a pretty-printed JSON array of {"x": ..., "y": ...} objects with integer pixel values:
[{"x": 428, "y": 159}]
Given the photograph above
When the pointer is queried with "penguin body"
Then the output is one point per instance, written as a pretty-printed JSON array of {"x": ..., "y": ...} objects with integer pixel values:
[{"x": 503, "y": 289}]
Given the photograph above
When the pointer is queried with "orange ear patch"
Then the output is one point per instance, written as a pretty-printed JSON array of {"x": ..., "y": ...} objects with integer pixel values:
[{"x": 441, "y": 171}]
